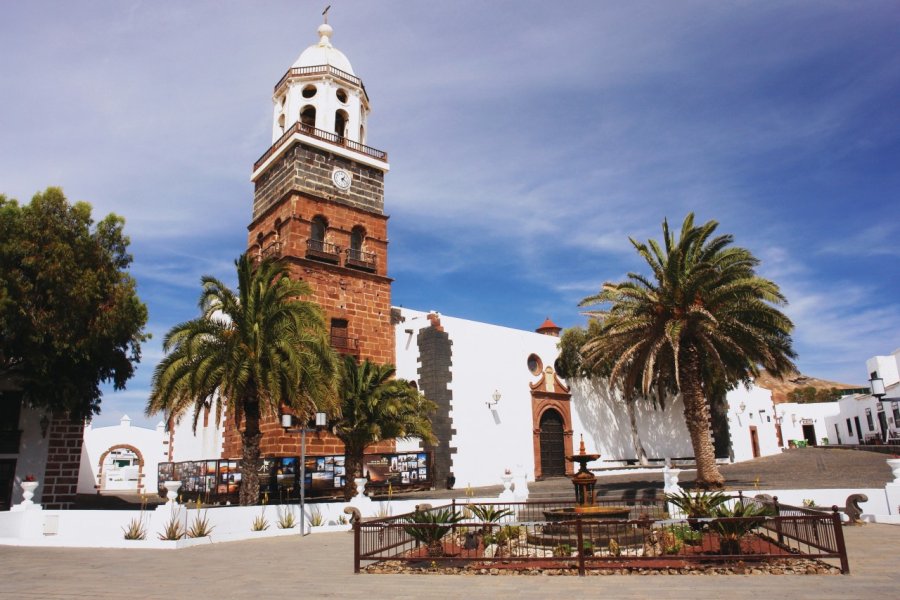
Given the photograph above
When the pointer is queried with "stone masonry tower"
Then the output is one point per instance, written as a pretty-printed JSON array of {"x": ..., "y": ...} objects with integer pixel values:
[{"x": 319, "y": 205}]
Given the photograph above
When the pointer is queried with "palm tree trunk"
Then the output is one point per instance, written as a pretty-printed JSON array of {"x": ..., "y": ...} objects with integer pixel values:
[
  {"x": 696, "y": 417},
  {"x": 639, "y": 451},
  {"x": 353, "y": 464},
  {"x": 250, "y": 437}
]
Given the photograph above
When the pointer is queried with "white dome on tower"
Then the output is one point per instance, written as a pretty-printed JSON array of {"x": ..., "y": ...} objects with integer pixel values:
[{"x": 323, "y": 53}]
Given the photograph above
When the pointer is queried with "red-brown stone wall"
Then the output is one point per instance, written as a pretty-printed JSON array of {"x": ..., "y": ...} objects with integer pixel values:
[
  {"x": 362, "y": 298},
  {"x": 64, "y": 441}
]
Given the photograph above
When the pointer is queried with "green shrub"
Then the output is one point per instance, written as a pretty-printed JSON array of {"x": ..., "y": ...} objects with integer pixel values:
[{"x": 430, "y": 527}]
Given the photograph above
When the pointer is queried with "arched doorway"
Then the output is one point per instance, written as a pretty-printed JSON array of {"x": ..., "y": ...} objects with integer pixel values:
[
  {"x": 553, "y": 446},
  {"x": 121, "y": 468}
]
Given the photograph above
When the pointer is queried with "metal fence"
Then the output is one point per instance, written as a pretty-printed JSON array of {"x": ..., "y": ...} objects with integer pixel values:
[{"x": 552, "y": 535}]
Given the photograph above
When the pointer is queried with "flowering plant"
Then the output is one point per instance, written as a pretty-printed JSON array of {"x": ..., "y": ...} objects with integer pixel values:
[{"x": 29, "y": 477}]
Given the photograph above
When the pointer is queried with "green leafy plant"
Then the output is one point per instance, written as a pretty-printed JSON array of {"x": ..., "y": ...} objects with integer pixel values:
[
  {"x": 698, "y": 505},
  {"x": 342, "y": 520},
  {"x": 809, "y": 502},
  {"x": 614, "y": 548},
  {"x": 173, "y": 529},
  {"x": 429, "y": 528},
  {"x": 286, "y": 518},
  {"x": 201, "y": 526},
  {"x": 562, "y": 551},
  {"x": 489, "y": 514},
  {"x": 732, "y": 524},
  {"x": 260, "y": 523},
  {"x": 687, "y": 536},
  {"x": 670, "y": 542},
  {"x": 588, "y": 548}
]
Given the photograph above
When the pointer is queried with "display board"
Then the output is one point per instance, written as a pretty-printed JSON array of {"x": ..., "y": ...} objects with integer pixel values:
[{"x": 214, "y": 480}]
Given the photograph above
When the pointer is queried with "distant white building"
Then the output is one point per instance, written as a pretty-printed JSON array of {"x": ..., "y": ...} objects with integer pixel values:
[{"x": 121, "y": 458}]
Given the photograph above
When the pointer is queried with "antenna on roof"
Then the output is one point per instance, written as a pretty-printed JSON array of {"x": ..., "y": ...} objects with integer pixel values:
[{"x": 325, "y": 13}]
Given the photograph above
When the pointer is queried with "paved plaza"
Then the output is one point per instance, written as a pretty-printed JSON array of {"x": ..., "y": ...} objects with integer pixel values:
[{"x": 320, "y": 566}]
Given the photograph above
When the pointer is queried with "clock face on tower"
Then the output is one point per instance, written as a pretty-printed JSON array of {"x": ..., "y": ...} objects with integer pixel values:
[{"x": 341, "y": 179}]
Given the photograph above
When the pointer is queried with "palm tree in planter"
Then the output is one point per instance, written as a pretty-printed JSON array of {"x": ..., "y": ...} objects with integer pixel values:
[
  {"x": 249, "y": 352},
  {"x": 703, "y": 319},
  {"x": 374, "y": 407}
]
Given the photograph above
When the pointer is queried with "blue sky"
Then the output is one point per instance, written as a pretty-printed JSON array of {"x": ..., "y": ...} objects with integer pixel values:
[{"x": 527, "y": 141}]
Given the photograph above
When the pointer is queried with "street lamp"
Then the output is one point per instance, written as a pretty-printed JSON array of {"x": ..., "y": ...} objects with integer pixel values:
[
  {"x": 287, "y": 421},
  {"x": 495, "y": 398},
  {"x": 876, "y": 385}
]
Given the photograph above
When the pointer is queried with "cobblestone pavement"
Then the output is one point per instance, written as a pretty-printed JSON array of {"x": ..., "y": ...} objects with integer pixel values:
[{"x": 320, "y": 566}]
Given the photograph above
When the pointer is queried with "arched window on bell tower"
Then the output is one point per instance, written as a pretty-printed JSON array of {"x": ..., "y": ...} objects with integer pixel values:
[
  {"x": 317, "y": 248},
  {"x": 357, "y": 237},
  {"x": 317, "y": 229},
  {"x": 308, "y": 116},
  {"x": 340, "y": 122}
]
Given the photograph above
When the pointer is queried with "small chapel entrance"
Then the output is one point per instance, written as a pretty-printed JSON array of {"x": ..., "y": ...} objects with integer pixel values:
[{"x": 553, "y": 447}]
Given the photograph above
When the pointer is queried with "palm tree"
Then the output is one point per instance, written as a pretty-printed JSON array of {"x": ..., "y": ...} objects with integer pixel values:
[
  {"x": 248, "y": 353},
  {"x": 375, "y": 407},
  {"x": 704, "y": 319}
]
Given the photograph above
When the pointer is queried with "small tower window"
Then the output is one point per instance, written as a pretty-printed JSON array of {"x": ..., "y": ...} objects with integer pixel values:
[
  {"x": 340, "y": 123},
  {"x": 362, "y": 134},
  {"x": 357, "y": 236},
  {"x": 309, "y": 91},
  {"x": 317, "y": 229},
  {"x": 342, "y": 95},
  {"x": 308, "y": 116},
  {"x": 281, "y": 122}
]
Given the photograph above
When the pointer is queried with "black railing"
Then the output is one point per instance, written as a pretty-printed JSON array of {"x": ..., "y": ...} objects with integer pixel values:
[
  {"x": 324, "y": 251},
  {"x": 345, "y": 344},
  {"x": 359, "y": 259},
  {"x": 645, "y": 537},
  {"x": 328, "y": 136},
  {"x": 271, "y": 250}
]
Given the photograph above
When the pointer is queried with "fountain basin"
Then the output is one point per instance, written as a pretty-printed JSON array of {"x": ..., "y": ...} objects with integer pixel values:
[{"x": 587, "y": 513}]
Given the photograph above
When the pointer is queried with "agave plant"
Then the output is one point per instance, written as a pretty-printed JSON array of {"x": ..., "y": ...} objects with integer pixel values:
[
  {"x": 430, "y": 527},
  {"x": 286, "y": 518},
  {"x": 698, "y": 505},
  {"x": 173, "y": 529},
  {"x": 260, "y": 523},
  {"x": 489, "y": 514},
  {"x": 135, "y": 530},
  {"x": 739, "y": 520}
]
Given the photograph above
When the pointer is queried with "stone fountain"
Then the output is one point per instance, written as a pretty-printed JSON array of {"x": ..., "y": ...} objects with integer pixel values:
[{"x": 560, "y": 526}]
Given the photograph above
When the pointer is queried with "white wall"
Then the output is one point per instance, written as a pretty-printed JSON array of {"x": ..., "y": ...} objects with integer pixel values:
[
  {"x": 601, "y": 416},
  {"x": 822, "y": 414},
  {"x": 205, "y": 443},
  {"x": 751, "y": 408},
  {"x": 99, "y": 440},
  {"x": 885, "y": 366},
  {"x": 485, "y": 358},
  {"x": 32, "y": 456}
]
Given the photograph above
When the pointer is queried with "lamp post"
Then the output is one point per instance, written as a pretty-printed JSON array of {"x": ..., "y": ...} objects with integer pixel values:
[
  {"x": 320, "y": 423},
  {"x": 495, "y": 398},
  {"x": 876, "y": 385}
]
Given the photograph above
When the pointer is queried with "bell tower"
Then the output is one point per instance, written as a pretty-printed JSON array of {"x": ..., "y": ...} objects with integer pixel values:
[{"x": 318, "y": 204}]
